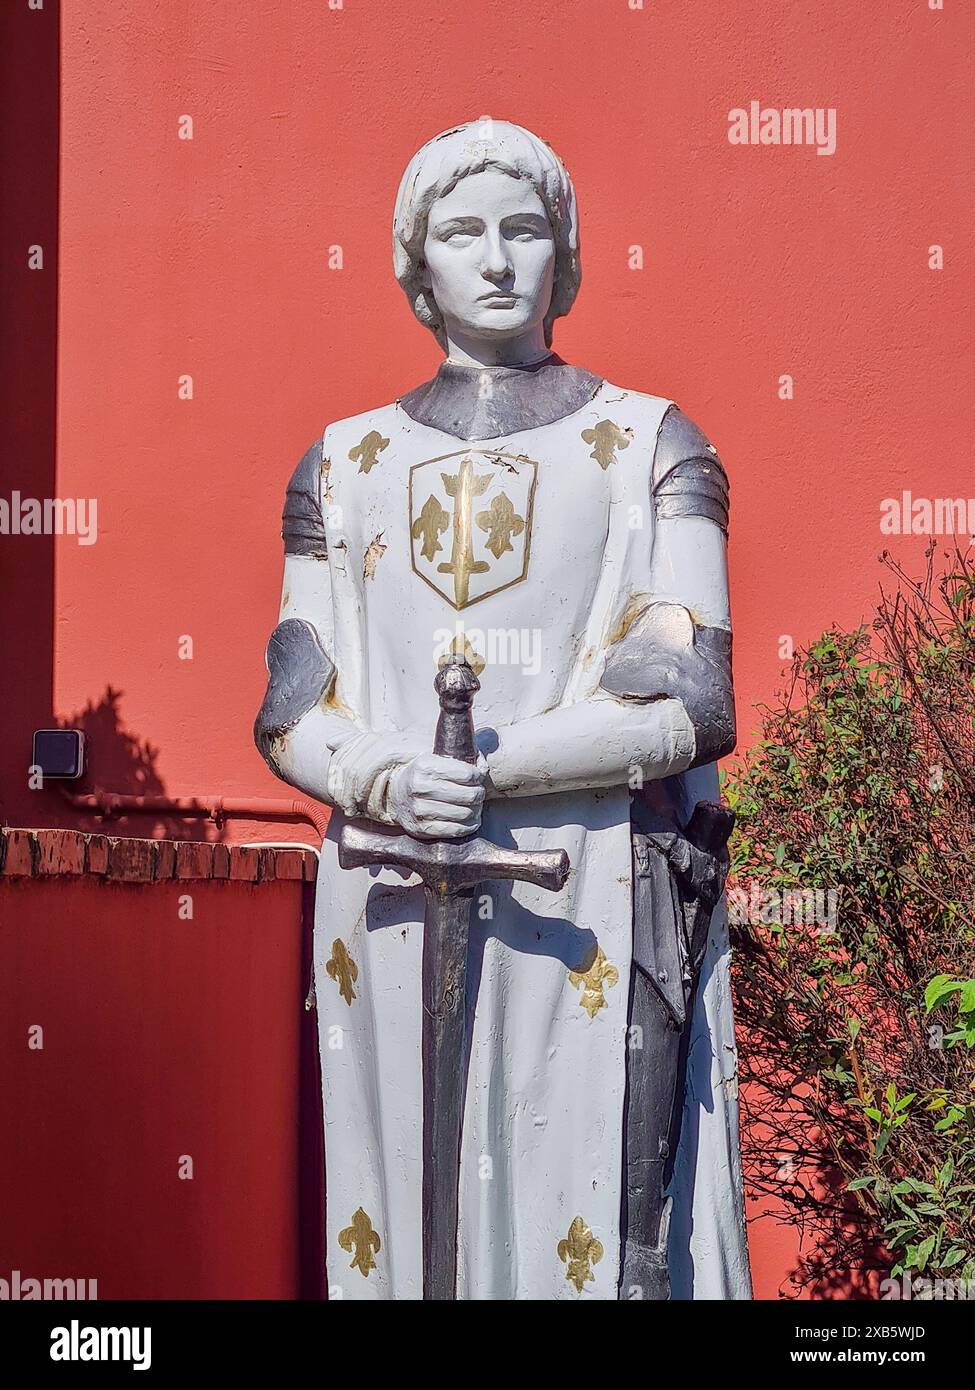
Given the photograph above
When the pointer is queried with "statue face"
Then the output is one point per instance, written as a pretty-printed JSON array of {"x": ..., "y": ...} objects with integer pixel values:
[{"x": 489, "y": 256}]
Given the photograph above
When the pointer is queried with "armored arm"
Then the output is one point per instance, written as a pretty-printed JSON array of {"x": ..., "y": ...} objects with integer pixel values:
[
  {"x": 293, "y": 723},
  {"x": 665, "y": 697},
  {"x": 679, "y": 645},
  {"x": 304, "y": 734}
]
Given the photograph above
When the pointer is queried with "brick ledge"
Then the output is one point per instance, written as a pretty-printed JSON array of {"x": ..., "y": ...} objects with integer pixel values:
[{"x": 50, "y": 853}]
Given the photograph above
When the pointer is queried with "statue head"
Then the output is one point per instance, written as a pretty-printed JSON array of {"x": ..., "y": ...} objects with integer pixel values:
[{"x": 485, "y": 233}]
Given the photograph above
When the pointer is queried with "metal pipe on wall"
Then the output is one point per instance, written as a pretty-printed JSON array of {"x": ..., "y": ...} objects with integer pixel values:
[{"x": 215, "y": 808}]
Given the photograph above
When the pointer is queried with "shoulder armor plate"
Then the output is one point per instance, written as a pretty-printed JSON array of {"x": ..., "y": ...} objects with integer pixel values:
[
  {"x": 689, "y": 479},
  {"x": 302, "y": 526}
]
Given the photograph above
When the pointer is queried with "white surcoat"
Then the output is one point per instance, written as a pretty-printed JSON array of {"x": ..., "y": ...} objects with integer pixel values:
[{"x": 541, "y": 572}]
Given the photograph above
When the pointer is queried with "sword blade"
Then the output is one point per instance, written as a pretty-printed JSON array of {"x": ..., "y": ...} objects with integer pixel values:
[{"x": 446, "y": 931}]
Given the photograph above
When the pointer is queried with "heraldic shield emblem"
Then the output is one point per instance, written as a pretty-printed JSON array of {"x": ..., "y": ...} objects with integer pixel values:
[{"x": 471, "y": 522}]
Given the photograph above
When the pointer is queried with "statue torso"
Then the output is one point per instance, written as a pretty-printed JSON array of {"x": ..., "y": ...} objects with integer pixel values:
[{"x": 512, "y": 548}]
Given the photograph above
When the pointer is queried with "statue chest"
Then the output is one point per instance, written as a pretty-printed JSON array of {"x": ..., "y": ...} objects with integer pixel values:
[
  {"x": 497, "y": 549},
  {"x": 462, "y": 523}
]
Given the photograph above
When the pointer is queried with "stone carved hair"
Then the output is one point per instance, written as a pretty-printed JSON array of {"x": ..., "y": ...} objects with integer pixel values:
[{"x": 441, "y": 163}]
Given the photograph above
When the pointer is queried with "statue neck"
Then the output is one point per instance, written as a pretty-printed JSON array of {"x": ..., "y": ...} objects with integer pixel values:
[
  {"x": 521, "y": 351},
  {"x": 478, "y": 402}
]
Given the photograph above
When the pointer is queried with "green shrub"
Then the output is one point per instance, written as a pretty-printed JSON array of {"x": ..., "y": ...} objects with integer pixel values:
[{"x": 857, "y": 1027}]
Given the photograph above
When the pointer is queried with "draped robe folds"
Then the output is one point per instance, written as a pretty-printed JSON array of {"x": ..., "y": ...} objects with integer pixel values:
[{"x": 542, "y": 1152}]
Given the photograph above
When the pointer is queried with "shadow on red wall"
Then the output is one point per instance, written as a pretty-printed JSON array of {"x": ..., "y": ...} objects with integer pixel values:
[{"x": 29, "y": 150}]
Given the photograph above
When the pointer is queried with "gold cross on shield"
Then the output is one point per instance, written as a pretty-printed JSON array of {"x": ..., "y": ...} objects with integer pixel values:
[{"x": 463, "y": 487}]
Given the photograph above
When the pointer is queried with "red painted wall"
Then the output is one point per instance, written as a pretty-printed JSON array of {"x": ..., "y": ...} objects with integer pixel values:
[
  {"x": 163, "y": 1039},
  {"x": 210, "y": 257}
]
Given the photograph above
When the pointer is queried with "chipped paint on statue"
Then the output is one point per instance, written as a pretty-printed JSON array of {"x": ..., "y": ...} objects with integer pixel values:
[{"x": 507, "y": 485}]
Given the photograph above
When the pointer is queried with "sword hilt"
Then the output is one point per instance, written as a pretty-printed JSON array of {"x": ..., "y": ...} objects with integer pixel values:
[
  {"x": 456, "y": 685},
  {"x": 710, "y": 827},
  {"x": 452, "y": 866}
]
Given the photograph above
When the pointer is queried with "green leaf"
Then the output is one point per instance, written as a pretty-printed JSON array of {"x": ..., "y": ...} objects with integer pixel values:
[
  {"x": 881, "y": 1143},
  {"x": 939, "y": 989},
  {"x": 924, "y": 1252}
]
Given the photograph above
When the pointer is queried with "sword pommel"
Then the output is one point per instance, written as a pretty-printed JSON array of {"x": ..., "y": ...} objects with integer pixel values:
[{"x": 456, "y": 684}]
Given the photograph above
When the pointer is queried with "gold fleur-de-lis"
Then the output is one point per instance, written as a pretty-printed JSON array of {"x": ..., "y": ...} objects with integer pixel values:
[
  {"x": 501, "y": 522},
  {"x": 461, "y": 646},
  {"x": 367, "y": 451},
  {"x": 429, "y": 524},
  {"x": 594, "y": 973},
  {"x": 343, "y": 970},
  {"x": 361, "y": 1241},
  {"x": 607, "y": 437},
  {"x": 578, "y": 1251}
]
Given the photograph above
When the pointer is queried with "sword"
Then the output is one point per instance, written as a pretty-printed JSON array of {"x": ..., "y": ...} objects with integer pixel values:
[{"x": 451, "y": 871}]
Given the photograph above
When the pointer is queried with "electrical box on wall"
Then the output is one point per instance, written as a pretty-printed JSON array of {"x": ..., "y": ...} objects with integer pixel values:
[{"x": 59, "y": 752}]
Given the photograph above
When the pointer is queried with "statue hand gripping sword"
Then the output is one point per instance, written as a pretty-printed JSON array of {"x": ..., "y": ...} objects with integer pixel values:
[{"x": 451, "y": 871}]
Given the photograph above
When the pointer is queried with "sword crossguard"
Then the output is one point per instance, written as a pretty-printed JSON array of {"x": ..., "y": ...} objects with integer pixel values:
[{"x": 451, "y": 866}]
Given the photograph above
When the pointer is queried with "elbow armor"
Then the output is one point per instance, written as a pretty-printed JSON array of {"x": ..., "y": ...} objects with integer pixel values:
[
  {"x": 664, "y": 654},
  {"x": 300, "y": 673}
]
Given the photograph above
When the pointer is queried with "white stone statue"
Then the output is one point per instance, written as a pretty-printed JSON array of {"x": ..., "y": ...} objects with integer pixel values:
[{"x": 567, "y": 537}]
